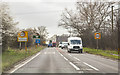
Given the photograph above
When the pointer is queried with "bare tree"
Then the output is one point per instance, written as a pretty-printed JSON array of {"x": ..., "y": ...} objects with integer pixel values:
[
  {"x": 42, "y": 31},
  {"x": 7, "y": 25},
  {"x": 88, "y": 18}
]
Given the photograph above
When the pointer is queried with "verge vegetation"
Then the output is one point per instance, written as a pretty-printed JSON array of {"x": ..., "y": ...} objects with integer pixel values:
[
  {"x": 12, "y": 56},
  {"x": 107, "y": 53}
]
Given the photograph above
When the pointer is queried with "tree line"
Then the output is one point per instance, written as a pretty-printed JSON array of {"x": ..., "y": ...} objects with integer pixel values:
[
  {"x": 89, "y": 18},
  {"x": 10, "y": 32}
]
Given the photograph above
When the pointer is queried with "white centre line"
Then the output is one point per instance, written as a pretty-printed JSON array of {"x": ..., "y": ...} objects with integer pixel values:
[
  {"x": 74, "y": 66},
  {"x": 45, "y": 53},
  {"x": 69, "y": 54},
  {"x": 77, "y": 59},
  {"x": 80, "y": 72},
  {"x": 77, "y": 68},
  {"x": 91, "y": 66},
  {"x": 65, "y": 58},
  {"x": 61, "y": 55}
]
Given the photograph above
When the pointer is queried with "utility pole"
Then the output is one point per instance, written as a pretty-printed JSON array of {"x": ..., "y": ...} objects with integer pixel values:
[
  {"x": 118, "y": 22},
  {"x": 112, "y": 17}
]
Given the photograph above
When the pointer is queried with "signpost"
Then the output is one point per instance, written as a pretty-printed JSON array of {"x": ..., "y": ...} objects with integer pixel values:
[
  {"x": 97, "y": 36},
  {"x": 23, "y": 37},
  {"x": 37, "y": 39},
  {"x": 36, "y": 36}
]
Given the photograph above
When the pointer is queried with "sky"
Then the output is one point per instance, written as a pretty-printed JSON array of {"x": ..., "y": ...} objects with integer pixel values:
[
  {"x": 44, "y": 13},
  {"x": 35, "y": 13}
]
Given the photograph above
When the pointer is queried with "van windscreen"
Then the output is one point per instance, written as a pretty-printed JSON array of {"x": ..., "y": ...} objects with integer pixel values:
[{"x": 75, "y": 42}]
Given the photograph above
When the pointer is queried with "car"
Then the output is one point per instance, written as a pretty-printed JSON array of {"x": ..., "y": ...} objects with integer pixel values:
[
  {"x": 53, "y": 44},
  {"x": 60, "y": 43},
  {"x": 75, "y": 44},
  {"x": 64, "y": 45},
  {"x": 50, "y": 45}
]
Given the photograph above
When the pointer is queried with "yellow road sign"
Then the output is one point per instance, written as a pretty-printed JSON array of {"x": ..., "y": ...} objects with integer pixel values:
[
  {"x": 97, "y": 36},
  {"x": 22, "y": 36},
  {"x": 44, "y": 42}
]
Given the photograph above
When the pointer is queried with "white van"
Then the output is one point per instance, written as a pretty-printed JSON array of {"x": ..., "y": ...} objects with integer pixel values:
[{"x": 75, "y": 44}]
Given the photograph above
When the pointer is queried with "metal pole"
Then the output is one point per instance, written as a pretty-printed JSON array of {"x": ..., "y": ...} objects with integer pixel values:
[
  {"x": 97, "y": 44},
  {"x": 112, "y": 18},
  {"x": 25, "y": 49},
  {"x": 26, "y": 46},
  {"x": 20, "y": 45}
]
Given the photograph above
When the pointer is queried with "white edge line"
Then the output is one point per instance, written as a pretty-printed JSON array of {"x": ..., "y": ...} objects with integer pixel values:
[
  {"x": 91, "y": 66},
  {"x": 25, "y": 62}
]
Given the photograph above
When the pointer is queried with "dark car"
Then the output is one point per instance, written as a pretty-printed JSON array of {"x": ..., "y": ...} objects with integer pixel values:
[{"x": 50, "y": 45}]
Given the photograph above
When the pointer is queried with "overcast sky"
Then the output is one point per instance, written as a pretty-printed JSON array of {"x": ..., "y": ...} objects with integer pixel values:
[
  {"x": 44, "y": 13},
  {"x": 34, "y": 13}
]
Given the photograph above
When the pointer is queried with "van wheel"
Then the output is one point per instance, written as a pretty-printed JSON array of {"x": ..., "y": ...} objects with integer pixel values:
[
  {"x": 81, "y": 51},
  {"x": 70, "y": 51}
]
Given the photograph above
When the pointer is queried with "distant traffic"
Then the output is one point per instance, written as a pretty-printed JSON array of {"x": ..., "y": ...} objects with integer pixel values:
[{"x": 73, "y": 44}]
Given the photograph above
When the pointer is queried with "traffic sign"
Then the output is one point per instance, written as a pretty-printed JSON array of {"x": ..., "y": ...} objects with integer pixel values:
[
  {"x": 36, "y": 36},
  {"x": 37, "y": 41},
  {"x": 97, "y": 36},
  {"x": 44, "y": 42},
  {"x": 22, "y": 36}
]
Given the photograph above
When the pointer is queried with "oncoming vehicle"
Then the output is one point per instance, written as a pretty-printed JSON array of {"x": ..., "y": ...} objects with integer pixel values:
[
  {"x": 60, "y": 44},
  {"x": 50, "y": 45},
  {"x": 53, "y": 44},
  {"x": 64, "y": 45},
  {"x": 75, "y": 44}
]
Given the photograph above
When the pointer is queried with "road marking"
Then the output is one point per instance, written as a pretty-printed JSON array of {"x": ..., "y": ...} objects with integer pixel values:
[
  {"x": 65, "y": 58},
  {"x": 44, "y": 52},
  {"x": 86, "y": 69},
  {"x": 61, "y": 55},
  {"x": 19, "y": 66},
  {"x": 77, "y": 68},
  {"x": 77, "y": 59},
  {"x": 80, "y": 72},
  {"x": 49, "y": 52},
  {"x": 74, "y": 66},
  {"x": 69, "y": 54},
  {"x": 91, "y": 66}
]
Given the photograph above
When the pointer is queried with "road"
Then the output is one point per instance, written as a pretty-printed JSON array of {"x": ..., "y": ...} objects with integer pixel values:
[{"x": 56, "y": 60}]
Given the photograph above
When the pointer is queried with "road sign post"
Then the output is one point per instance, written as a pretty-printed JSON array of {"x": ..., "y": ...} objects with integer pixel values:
[
  {"x": 26, "y": 46},
  {"x": 97, "y": 37},
  {"x": 36, "y": 39},
  {"x": 20, "y": 46}
]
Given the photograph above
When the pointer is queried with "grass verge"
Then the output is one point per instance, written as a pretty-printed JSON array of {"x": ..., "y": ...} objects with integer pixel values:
[
  {"x": 12, "y": 56},
  {"x": 107, "y": 53}
]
